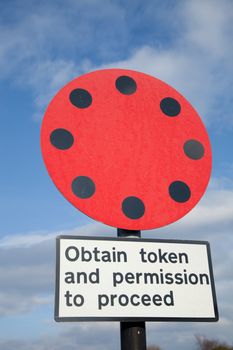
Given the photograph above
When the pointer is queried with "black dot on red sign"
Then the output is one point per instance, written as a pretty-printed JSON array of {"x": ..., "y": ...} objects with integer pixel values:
[
  {"x": 170, "y": 106},
  {"x": 61, "y": 139},
  {"x": 83, "y": 187},
  {"x": 179, "y": 191},
  {"x": 194, "y": 149},
  {"x": 80, "y": 98},
  {"x": 133, "y": 207},
  {"x": 126, "y": 85}
]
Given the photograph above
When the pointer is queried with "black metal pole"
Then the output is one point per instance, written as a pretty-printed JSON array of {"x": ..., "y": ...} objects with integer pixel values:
[{"x": 133, "y": 334}]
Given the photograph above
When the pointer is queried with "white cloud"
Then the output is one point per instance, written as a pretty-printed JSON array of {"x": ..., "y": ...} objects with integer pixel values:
[
  {"x": 208, "y": 26},
  {"x": 22, "y": 240},
  {"x": 20, "y": 304},
  {"x": 90, "y": 337},
  {"x": 198, "y": 60},
  {"x": 31, "y": 239},
  {"x": 39, "y": 41},
  {"x": 216, "y": 208},
  {"x": 45, "y": 79}
]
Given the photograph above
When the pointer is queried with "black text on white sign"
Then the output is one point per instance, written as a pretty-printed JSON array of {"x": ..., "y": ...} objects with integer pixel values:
[{"x": 131, "y": 279}]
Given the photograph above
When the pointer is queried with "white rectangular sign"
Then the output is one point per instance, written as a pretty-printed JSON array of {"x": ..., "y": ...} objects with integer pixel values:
[{"x": 133, "y": 279}]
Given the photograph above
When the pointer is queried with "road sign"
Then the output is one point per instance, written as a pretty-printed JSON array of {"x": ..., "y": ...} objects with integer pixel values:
[
  {"x": 126, "y": 149},
  {"x": 131, "y": 279}
]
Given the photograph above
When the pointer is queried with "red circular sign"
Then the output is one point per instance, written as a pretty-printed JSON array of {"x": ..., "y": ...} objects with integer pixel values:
[{"x": 126, "y": 149}]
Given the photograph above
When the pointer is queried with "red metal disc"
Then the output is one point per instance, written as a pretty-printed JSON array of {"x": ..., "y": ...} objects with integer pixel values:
[{"x": 126, "y": 149}]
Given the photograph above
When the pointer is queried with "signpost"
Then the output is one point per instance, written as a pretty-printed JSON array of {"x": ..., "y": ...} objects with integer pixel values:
[
  {"x": 125, "y": 279},
  {"x": 130, "y": 151}
]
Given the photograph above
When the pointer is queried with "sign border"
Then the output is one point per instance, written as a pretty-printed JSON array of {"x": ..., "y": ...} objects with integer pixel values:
[{"x": 133, "y": 319}]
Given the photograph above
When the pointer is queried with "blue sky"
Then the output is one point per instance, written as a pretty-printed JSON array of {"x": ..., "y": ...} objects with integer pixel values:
[{"x": 43, "y": 45}]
